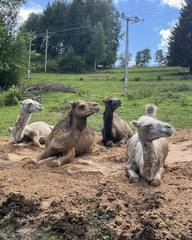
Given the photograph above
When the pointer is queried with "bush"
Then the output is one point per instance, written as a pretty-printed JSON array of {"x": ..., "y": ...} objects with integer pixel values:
[
  {"x": 2, "y": 100},
  {"x": 159, "y": 78},
  {"x": 70, "y": 62},
  {"x": 52, "y": 65},
  {"x": 137, "y": 79},
  {"x": 183, "y": 87},
  {"x": 13, "y": 96}
]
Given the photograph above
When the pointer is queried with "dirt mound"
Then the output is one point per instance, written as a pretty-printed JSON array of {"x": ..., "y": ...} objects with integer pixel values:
[
  {"x": 51, "y": 87},
  {"x": 91, "y": 198}
]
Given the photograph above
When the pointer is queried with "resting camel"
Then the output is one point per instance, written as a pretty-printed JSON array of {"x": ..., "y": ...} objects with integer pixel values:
[
  {"x": 24, "y": 134},
  {"x": 115, "y": 129},
  {"x": 148, "y": 148},
  {"x": 71, "y": 136}
]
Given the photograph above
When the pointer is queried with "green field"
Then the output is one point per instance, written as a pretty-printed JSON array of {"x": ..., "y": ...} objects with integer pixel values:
[{"x": 169, "y": 88}]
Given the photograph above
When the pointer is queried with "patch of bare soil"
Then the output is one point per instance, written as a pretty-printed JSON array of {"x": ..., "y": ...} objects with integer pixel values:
[{"x": 91, "y": 198}]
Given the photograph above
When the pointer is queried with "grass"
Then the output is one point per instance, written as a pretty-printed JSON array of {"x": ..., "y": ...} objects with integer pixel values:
[{"x": 167, "y": 87}]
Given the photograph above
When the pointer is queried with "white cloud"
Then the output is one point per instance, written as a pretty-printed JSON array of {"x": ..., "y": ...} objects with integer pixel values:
[
  {"x": 165, "y": 34},
  {"x": 25, "y": 11},
  {"x": 173, "y": 3}
]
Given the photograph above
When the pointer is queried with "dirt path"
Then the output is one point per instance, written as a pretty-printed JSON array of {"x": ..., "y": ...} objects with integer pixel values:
[{"x": 91, "y": 198}]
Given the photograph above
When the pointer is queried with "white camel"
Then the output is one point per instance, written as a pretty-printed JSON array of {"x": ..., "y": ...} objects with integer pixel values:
[
  {"x": 36, "y": 132},
  {"x": 148, "y": 148}
]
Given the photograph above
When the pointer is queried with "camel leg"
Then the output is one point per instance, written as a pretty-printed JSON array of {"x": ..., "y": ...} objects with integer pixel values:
[
  {"x": 37, "y": 143},
  {"x": 35, "y": 138},
  {"x": 37, "y": 162},
  {"x": 67, "y": 158},
  {"x": 157, "y": 179},
  {"x": 22, "y": 144},
  {"x": 46, "y": 160},
  {"x": 132, "y": 174},
  {"x": 109, "y": 143}
]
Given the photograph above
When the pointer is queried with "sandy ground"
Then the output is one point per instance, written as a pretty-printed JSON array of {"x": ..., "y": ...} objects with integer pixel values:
[{"x": 91, "y": 198}]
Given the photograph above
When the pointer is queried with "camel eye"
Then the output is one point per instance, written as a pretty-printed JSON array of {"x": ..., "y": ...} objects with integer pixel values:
[
  {"x": 29, "y": 104},
  {"x": 82, "y": 107},
  {"x": 148, "y": 126}
]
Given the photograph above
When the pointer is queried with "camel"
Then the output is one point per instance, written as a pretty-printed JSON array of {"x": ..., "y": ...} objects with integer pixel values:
[
  {"x": 115, "y": 129},
  {"x": 36, "y": 132},
  {"x": 148, "y": 148},
  {"x": 71, "y": 136}
]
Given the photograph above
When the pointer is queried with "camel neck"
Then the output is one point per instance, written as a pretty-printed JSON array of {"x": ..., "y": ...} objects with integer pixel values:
[
  {"x": 149, "y": 157},
  {"x": 80, "y": 123},
  {"x": 108, "y": 120},
  {"x": 77, "y": 123},
  {"x": 20, "y": 124}
]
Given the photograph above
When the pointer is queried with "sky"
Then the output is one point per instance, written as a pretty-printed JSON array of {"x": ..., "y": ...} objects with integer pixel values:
[{"x": 157, "y": 17}]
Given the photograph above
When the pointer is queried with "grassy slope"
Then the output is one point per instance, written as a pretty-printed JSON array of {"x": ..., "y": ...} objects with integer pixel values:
[{"x": 175, "y": 105}]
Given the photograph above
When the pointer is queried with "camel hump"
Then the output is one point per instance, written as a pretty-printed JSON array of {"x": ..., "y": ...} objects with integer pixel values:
[{"x": 150, "y": 110}]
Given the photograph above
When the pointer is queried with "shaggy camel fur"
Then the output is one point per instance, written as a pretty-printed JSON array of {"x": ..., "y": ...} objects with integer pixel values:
[
  {"x": 115, "y": 129},
  {"x": 71, "y": 136},
  {"x": 148, "y": 149},
  {"x": 24, "y": 134}
]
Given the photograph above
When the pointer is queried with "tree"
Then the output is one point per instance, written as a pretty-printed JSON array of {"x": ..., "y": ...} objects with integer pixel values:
[
  {"x": 12, "y": 45},
  {"x": 70, "y": 62},
  {"x": 9, "y": 11},
  {"x": 121, "y": 59},
  {"x": 143, "y": 57},
  {"x": 96, "y": 49},
  {"x": 83, "y": 22},
  {"x": 180, "y": 42},
  {"x": 159, "y": 57}
]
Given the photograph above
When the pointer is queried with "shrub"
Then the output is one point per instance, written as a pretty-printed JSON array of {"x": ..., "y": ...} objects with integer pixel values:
[
  {"x": 70, "y": 62},
  {"x": 52, "y": 65},
  {"x": 137, "y": 79},
  {"x": 159, "y": 78},
  {"x": 13, "y": 96},
  {"x": 2, "y": 100},
  {"x": 183, "y": 87}
]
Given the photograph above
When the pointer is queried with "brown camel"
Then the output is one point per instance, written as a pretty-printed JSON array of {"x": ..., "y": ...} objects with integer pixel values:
[
  {"x": 115, "y": 129},
  {"x": 71, "y": 136}
]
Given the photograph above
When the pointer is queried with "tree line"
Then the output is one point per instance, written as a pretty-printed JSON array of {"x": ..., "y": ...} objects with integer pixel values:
[
  {"x": 143, "y": 58},
  {"x": 83, "y": 34}
]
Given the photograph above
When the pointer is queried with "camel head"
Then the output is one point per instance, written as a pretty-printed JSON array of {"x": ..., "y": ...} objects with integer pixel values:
[
  {"x": 149, "y": 128},
  {"x": 83, "y": 109},
  {"x": 31, "y": 106},
  {"x": 112, "y": 103}
]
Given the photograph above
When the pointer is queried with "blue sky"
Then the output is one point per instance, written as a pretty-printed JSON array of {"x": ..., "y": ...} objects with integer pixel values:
[{"x": 157, "y": 18}]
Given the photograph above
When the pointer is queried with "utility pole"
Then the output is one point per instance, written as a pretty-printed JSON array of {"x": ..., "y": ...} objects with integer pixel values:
[
  {"x": 29, "y": 57},
  {"x": 126, "y": 55},
  {"x": 46, "y": 47},
  {"x": 128, "y": 20}
]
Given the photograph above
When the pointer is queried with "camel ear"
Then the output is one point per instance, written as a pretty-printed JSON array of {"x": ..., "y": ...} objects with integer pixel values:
[
  {"x": 73, "y": 104},
  {"x": 104, "y": 100},
  {"x": 20, "y": 103},
  {"x": 135, "y": 123}
]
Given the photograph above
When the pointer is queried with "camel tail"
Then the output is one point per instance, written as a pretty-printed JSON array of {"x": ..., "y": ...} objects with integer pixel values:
[{"x": 150, "y": 110}]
